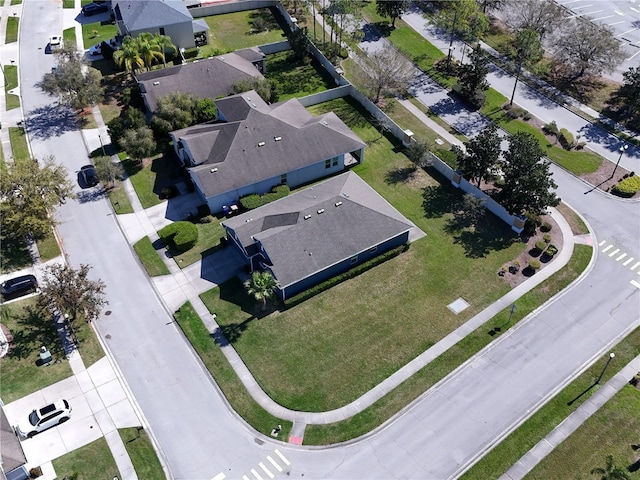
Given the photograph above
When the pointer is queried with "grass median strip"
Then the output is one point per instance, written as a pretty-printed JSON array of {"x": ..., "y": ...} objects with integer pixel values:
[
  {"x": 19, "y": 145},
  {"x": 11, "y": 34},
  {"x": 143, "y": 456},
  {"x": 150, "y": 258},
  {"x": 89, "y": 462}
]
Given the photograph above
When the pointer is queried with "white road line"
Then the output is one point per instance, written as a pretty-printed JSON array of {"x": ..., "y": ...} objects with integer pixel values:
[
  {"x": 607, "y": 249},
  {"x": 256, "y": 474},
  {"x": 627, "y": 261},
  {"x": 635, "y": 284},
  {"x": 220, "y": 476},
  {"x": 635, "y": 265},
  {"x": 635, "y": 9},
  {"x": 621, "y": 257},
  {"x": 266, "y": 470},
  {"x": 619, "y": 13},
  {"x": 284, "y": 459},
  {"x": 614, "y": 252},
  {"x": 624, "y": 33},
  {"x": 274, "y": 463},
  {"x": 602, "y": 243}
]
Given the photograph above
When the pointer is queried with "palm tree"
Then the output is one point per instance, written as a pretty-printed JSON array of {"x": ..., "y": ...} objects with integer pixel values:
[
  {"x": 165, "y": 45},
  {"x": 262, "y": 287},
  {"x": 149, "y": 49},
  {"x": 128, "y": 55},
  {"x": 610, "y": 472}
]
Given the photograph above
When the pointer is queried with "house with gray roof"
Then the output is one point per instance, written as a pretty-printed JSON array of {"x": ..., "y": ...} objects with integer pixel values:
[
  {"x": 209, "y": 78},
  {"x": 13, "y": 464},
  {"x": 255, "y": 146},
  {"x": 170, "y": 18},
  {"x": 318, "y": 233}
]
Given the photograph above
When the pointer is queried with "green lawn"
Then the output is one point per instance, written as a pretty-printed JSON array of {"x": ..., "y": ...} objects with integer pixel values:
[
  {"x": 19, "y": 144},
  {"x": 93, "y": 33},
  {"x": 142, "y": 454},
  {"x": 11, "y": 76},
  {"x": 13, "y": 101},
  {"x": 12, "y": 29},
  {"x": 226, "y": 378},
  {"x": 69, "y": 37},
  {"x": 48, "y": 247},
  {"x": 119, "y": 199},
  {"x": 613, "y": 429},
  {"x": 14, "y": 254},
  {"x": 16, "y": 2},
  {"x": 622, "y": 430},
  {"x": 68, "y": 4},
  {"x": 232, "y": 31},
  {"x": 31, "y": 328},
  {"x": 149, "y": 257},
  {"x": 294, "y": 78},
  {"x": 89, "y": 346},
  {"x": 209, "y": 235},
  {"x": 91, "y": 462},
  {"x": 149, "y": 180}
]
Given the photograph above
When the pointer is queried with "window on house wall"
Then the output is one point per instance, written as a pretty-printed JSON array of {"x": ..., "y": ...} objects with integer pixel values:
[
  {"x": 161, "y": 30},
  {"x": 335, "y": 161},
  {"x": 327, "y": 163},
  {"x": 354, "y": 259},
  {"x": 283, "y": 178}
]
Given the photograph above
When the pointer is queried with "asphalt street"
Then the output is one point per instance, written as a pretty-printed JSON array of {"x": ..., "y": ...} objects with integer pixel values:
[{"x": 435, "y": 438}]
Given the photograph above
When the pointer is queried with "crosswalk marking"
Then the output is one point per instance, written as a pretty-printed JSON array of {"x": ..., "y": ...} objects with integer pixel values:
[
  {"x": 635, "y": 265},
  {"x": 635, "y": 284},
  {"x": 605, "y": 250},
  {"x": 614, "y": 252},
  {"x": 627, "y": 261},
  {"x": 284, "y": 459},
  {"x": 621, "y": 257},
  {"x": 244, "y": 477},
  {"x": 274, "y": 463},
  {"x": 602, "y": 243},
  {"x": 266, "y": 470},
  {"x": 256, "y": 474},
  {"x": 220, "y": 476}
]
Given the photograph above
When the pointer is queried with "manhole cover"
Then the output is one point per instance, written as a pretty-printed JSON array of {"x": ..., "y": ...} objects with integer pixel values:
[{"x": 458, "y": 305}]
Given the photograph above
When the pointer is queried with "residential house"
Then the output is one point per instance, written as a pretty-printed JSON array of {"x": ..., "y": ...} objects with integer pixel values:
[
  {"x": 170, "y": 18},
  {"x": 318, "y": 233},
  {"x": 13, "y": 461},
  {"x": 256, "y": 146},
  {"x": 209, "y": 78}
]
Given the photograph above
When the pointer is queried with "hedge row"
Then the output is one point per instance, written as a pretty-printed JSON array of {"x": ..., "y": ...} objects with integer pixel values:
[
  {"x": 254, "y": 200},
  {"x": 180, "y": 236},
  {"x": 627, "y": 187},
  {"x": 354, "y": 272}
]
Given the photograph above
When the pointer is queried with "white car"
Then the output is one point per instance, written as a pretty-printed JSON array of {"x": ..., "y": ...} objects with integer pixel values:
[
  {"x": 55, "y": 42},
  {"x": 43, "y": 418},
  {"x": 96, "y": 49}
]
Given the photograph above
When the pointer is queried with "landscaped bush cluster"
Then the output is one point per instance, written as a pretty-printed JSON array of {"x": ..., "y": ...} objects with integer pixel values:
[
  {"x": 180, "y": 236},
  {"x": 516, "y": 112},
  {"x": 628, "y": 187},
  {"x": 566, "y": 139},
  {"x": 541, "y": 245},
  {"x": 534, "y": 264},
  {"x": 254, "y": 200},
  {"x": 354, "y": 272}
]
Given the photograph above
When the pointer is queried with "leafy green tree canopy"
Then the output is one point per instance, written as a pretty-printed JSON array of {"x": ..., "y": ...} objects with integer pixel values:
[
  {"x": 481, "y": 158},
  {"x": 392, "y": 9},
  {"x": 262, "y": 286}
]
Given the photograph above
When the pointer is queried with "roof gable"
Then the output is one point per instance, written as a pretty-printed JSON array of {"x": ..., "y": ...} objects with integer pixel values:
[{"x": 145, "y": 14}]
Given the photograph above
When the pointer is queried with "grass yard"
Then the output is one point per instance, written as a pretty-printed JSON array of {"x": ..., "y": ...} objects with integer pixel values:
[
  {"x": 613, "y": 429},
  {"x": 16, "y": 2},
  {"x": 208, "y": 242},
  {"x": 149, "y": 180},
  {"x": 13, "y": 101},
  {"x": 90, "y": 462},
  {"x": 89, "y": 346},
  {"x": 590, "y": 448},
  {"x": 14, "y": 254},
  {"x": 93, "y": 33},
  {"x": 233, "y": 31},
  {"x": 31, "y": 328},
  {"x": 119, "y": 199},
  {"x": 150, "y": 258},
  {"x": 407, "y": 120},
  {"x": 294, "y": 78},
  {"x": 11, "y": 76},
  {"x": 19, "y": 144},
  {"x": 11, "y": 34},
  {"x": 226, "y": 378},
  {"x": 109, "y": 110},
  {"x": 48, "y": 247},
  {"x": 142, "y": 454},
  {"x": 69, "y": 37},
  {"x": 68, "y": 3}
]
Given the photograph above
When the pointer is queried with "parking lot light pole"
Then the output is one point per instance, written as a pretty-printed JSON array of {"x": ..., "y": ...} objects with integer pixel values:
[
  {"x": 611, "y": 357},
  {"x": 622, "y": 150}
]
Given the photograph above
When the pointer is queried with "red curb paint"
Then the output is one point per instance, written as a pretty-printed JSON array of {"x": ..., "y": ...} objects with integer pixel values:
[{"x": 295, "y": 440}]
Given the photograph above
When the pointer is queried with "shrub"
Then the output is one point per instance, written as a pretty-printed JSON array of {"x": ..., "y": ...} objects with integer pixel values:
[
  {"x": 545, "y": 227},
  {"x": 566, "y": 139},
  {"x": 254, "y": 200},
  {"x": 547, "y": 238},
  {"x": 531, "y": 223},
  {"x": 534, "y": 264},
  {"x": 551, "y": 250},
  {"x": 181, "y": 236},
  {"x": 207, "y": 219},
  {"x": 541, "y": 245},
  {"x": 627, "y": 187},
  {"x": 551, "y": 128}
]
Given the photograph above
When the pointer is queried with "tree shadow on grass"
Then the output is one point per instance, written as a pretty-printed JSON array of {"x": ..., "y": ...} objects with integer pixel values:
[
  {"x": 480, "y": 237},
  {"x": 400, "y": 175},
  {"x": 439, "y": 200},
  {"x": 14, "y": 253},
  {"x": 35, "y": 329}
]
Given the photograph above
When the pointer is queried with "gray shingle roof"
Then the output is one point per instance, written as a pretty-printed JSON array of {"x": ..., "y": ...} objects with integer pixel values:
[
  {"x": 355, "y": 218},
  {"x": 147, "y": 14},
  {"x": 207, "y": 78},
  {"x": 236, "y": 152},
  {"x": 12, "y": 454}
]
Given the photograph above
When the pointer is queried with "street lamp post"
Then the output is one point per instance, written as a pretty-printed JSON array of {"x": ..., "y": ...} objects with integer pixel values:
[
  {"x": 621, "y": 150},
  {"x": 611, "y": 357}
]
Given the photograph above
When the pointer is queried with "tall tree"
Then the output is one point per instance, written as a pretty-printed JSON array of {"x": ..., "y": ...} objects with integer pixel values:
[
  {"x": 166, "y": 45},
  {"x": 481, "y": 158},
  {"x": 138, "y": 143},
  {"x": 586, "y": 47},
  {"x": 541, "y": 16},
  {"x": 107, "y": 170},
  {"x": 494, "y": 4},
  {"x": 611, "y": 471},
  {"x": 30, "y": 192},
  {"x": 527, "y": 179},
  {"x": 72, "y": 81},
  {"x": 128, "y": 55},
  {"x": 463, "y": 19},
  {"x": 71, "y": 292},
  {"x": 472, "y": 77},
  {"x": 149, "y": 49},
  {"x": 392, "y": 9},
  {"x": 526, "y": 50},
  {"x": 627, "y": 98},
  {"x": 387, "y": 71},
  {"x": 262, "y": 286}
]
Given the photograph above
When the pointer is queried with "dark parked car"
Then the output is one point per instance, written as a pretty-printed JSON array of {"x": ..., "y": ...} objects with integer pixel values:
[
  {"x": 19, "y": 286},
  {"x": 94, "y": 8},
  {"x": 88, "y": 174}
]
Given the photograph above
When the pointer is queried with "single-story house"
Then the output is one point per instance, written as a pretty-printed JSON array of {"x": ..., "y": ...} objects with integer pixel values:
[
  {"x": 209, "y": 78},
  {"x": 12, "y": 456},
  {"x": 318, "y": 233},
  {"x": 255, "y": 146},
  {"x": 170, "y": 18}
]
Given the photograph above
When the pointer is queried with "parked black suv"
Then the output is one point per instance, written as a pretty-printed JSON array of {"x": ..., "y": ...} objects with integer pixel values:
[
  {"x": 94, "y": 8},
  {"x": 19, "y": 286}
]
